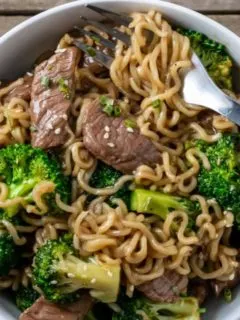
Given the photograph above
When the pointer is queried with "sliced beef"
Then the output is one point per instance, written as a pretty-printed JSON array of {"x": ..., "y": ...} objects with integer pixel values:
[
  {"x": 44, "y": 310},
  {"x": 22, "y": 91},
  {"x": 109, "y": 140},
  {"x": 199, "y": 289},
  {"x": 52, "y": 91},
  {"x": 166, "y": 288},
  {"x": 219, "y": 286}
]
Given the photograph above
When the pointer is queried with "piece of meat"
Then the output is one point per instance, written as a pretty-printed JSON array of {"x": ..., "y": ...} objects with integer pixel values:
[
  {"x": 44, "y": 310},
  {"x": 52, "y": 91},
  {"x": 219, "y": 286},
  {"x": 166, "y": 288},
  {"x": 22, "y": 91},
  {"x": 109, "y": 140},
  {"x": 200, "y": 289}
]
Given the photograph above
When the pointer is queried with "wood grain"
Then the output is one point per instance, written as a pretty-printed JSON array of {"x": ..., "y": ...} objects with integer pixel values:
[
  {"x": 8, "y": 22},
  {"x": 230, "y": 21},
  {"x": 39, "y": 5}
]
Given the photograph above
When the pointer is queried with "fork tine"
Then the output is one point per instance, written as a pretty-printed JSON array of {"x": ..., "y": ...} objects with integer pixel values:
[
  {"x": 105, "y": 42},
  {"x": 113, "y": 32},
  {"x": 116, "y": 17},
  {"x": 99, "y": 56}
]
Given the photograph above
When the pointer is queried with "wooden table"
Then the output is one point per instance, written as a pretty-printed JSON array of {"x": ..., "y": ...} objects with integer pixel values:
[{"x": 226, "y": 12}]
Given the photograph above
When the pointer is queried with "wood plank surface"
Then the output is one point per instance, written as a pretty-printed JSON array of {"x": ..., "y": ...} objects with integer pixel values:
[
  {"x": 39, "y": 5},
  {"x": 230, "y": 21},
  {"x": 8, "y": 22}
]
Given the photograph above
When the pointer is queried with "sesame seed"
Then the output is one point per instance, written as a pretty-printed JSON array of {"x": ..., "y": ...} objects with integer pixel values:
[
  {"x": 106, "y": 135},
  {"x": 131, "y": 288},
  {"x": 110, "y": 274},
  {"x": 93, "y": 280},
  {"x": 130, "y": 130},
  {"x": 111, "y": 145},
  {"x": 57, "y": 131},
  {"x": 71, "y": 275},
  {"x": 53, "y": 282},
  {"x": 232, "y": 276},
  {"x": 106, "y": 128},
  {"x": 29, "y": 74},
  {"x": 64, "y": 116}
]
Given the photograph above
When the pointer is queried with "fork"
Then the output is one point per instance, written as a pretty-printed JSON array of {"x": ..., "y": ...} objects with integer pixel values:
[{"x": 197, "y": 89}]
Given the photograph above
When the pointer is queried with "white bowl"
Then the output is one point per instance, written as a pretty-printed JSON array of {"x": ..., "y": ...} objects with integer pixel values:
[{"x": 23, "y": 44}]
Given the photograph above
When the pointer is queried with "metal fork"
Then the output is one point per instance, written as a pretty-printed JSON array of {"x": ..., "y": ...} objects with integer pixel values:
[
  {"x": 99, "y": 56},
  {"x": 198, "y": 88}
]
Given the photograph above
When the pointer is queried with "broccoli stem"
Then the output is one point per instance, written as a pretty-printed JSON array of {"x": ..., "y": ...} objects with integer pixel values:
[
  {"x": 86, "y": 275},
  {"x": 185, "y": 307},
  {"x": 20, "y": 190},
  {"x": 152, "y": 202}
]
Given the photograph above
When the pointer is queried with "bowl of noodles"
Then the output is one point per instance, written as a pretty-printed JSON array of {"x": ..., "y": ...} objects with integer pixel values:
[{"x": 118, "y": 200}]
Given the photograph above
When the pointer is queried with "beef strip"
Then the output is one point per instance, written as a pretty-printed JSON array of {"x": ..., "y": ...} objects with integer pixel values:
[
  {"x": 44, "y": 310},
  {"x": 166, "y": 288},
  {"x": 108, "y": 139},
  {"x": 200, "y": 289},
  {"x": 22, "y": 91},
  {"x": 219, "y": 286},
  {"x": 50, "y": 101}
]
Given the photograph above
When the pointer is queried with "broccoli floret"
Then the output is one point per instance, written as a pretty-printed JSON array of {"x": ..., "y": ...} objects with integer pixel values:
[
  {"x": 106, "y": 176},
  {"x": 133, "y": 309},
  {"x": 9, "y": 254},
  {"x": 154, "y": 202},
  {"x": 22, "y": 167},
  {"x": 222, "y": 181},
  {"x": 214, "y": 57},
  {"x": 25, "y": 297},
  {"x": 60, "y": 273}
]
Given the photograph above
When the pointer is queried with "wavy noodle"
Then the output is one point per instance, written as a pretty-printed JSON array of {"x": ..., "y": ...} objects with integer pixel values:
[
  {"x": 140, "y": 243},
  {"x": 14, "y": 119}
]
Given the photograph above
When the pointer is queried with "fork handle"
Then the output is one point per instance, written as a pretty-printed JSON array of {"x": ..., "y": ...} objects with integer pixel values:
[{"x": 230, "y": 108}]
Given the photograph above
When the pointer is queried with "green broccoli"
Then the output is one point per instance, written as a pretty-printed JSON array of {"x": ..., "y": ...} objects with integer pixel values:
[
  {"x": 154, "y": 202},
  {"x": 214, "y": 57},
  {"x": 106, "y": 176},
  {"x": 222, "y": 181},
  {"x": 9, "y": 254},
  {"x": 60, "y": 273},
  {"x": 22, "y": 167},
  {"x": 134, "y": 308},
  {"x": 25, "y": 297}
]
